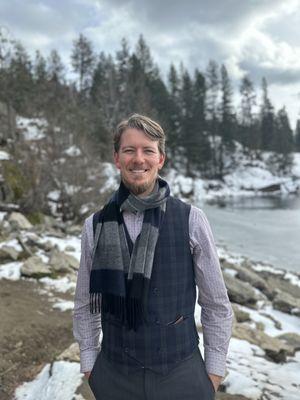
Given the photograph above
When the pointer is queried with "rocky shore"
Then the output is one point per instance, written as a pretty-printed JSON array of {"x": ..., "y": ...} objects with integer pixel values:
[{"x": 38, "y": 269}]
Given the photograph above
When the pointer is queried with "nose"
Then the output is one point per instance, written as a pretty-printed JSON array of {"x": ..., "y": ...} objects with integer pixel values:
[{"x": 139, "y": 157}]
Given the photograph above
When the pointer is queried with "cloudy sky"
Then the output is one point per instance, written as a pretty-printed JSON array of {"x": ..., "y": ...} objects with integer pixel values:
[{"x": 259, "y": 37}]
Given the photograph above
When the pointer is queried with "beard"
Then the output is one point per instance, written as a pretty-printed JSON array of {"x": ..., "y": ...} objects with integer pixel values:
[{"x": 139, "y": 188}]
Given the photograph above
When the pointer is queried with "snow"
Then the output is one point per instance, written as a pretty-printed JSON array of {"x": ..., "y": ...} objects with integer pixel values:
[
  {"x": 251, "y": 375},
  {"x": 54, "y": 195},
  {"x": 62, "y": 285},
  {"x": 111, "y": 175},
  {"x": 73, "y": 151},
  {"x": 32, "y": 128},
  {"x": 12, "y": 243},
  {"x": 2, "y": 215},
  {"x": 296, "y": 166},
  {"x": 64, "y": 305},
  {"x": 4, "y": 155},
  {"x": 11, "y": 271},
  {"x": 59, "y": 382}
]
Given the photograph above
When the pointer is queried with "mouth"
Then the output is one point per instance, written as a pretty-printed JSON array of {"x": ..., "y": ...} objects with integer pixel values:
[{"x": 138, "y": 171}]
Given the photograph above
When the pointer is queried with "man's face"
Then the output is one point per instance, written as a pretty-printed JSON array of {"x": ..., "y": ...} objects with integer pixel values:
[{"x": 139, "y": 161}]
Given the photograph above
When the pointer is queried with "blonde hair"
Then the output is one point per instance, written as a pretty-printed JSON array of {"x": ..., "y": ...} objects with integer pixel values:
[{"x": 151, "y": 128}]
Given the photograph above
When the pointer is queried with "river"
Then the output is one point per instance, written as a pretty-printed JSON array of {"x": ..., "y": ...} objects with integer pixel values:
[{"x": 262, "y": 228}]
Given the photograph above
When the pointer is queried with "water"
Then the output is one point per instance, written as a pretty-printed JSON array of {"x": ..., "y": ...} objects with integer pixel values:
[{"x": 264, "y": 228}]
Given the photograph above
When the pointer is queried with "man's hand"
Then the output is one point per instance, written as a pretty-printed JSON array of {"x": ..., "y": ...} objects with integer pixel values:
[
  {"x": 216, "y": 380},
  {"x": 87, "y": 374}
]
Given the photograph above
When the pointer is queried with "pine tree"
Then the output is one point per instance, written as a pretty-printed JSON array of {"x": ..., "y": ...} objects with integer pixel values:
[
  {"x": 200, "y": 152},
  {"x": 248, "y": 131},
  {"x": 267, "y": 119},
  {"x": 55, "y": 68},
  {"x": 123, "y": 56},
  {"x": 297, "y": 136},
  {"x": 282, "y": 143},
  {"x": 173, "y": 112},
  {"x": 212, "y": 93},
  {"x": 83, "y": 61},
  {"x": 21, "y": 80}
]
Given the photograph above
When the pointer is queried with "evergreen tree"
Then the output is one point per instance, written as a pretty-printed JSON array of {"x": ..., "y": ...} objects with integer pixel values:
[
  {"x": 200, "y": 152},
  {"x": 248, "y": 132},
  {"x": 267, "y": 119},
  {"x": 83, "y": 61},
  {"x": 297, "y": 136},
  {"x": 174, "y": 112},
  {"x": 282, "y": 143},
  {"x": 212, "y": 93},
  {"x": 123, "y": 56},
  {"x": 55, "y": 68},
  {"x": 21, "y": 80}
]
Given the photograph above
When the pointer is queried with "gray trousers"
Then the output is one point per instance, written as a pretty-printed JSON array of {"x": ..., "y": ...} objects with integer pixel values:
[{"x": 187, "y": 381}]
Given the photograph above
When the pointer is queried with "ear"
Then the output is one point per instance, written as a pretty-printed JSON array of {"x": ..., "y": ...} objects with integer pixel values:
[
  {"x": 117, "y": 160},
  {"x": 162, "y": 158}
]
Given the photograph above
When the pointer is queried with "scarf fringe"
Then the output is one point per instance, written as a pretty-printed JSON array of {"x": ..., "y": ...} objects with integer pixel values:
[{"x": 127, "y": 311}]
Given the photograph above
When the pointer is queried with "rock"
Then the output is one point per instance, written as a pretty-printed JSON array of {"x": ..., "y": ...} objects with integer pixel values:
[
  {"x": 275, "y": 349},
  {"x": 291, "y": 339},
  {"x": 247, "y": 275},
  {"x": 19, "y": 221},
  {"x": 8, "y": 253},
  {"x": 286, "y": 303},
  {"x": 56, "y": 233},
  {"x": 74, "y": 230},
  {"x": 70, "y": 354},
  {"x": 240, "y": 315},
  {"x": 240, "y": 292},
  {"x": 62, "y": 262},
  {"x": 69, "y": 248},
  {"x": 227, "y": 396},
  {"x": 46, "y": 246},
  {"x": 34, "y": 267}
]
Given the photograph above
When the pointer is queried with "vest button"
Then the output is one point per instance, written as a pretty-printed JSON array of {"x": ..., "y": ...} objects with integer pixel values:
[
  {"x": 126, "y": 349},
  {"x": 155, "y": 290},
  {"x": 157, "y": 321}
]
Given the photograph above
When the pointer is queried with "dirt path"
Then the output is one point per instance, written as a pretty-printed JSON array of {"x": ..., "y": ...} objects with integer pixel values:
[{"x": 32, "y": 333}]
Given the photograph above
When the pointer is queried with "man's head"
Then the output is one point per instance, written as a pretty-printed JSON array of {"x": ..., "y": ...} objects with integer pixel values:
[{"x": 139, "y": 145}]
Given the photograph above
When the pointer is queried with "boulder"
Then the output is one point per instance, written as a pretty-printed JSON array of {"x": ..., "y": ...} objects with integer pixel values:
[
  {"x": 19, "y": 221},
  {"x": 70, "y": 354},
  {"x": 275, "y": 349},
  {"x": 62, "y": 263},
  {"x": 286, "y": 303},
  {"x": 8, "y": 253},
  {"x": 248, "y": 275},
  {"x": 240, "y": 315},
  {"x": 240, "y": 292},
  {"x": 292, "y": 339},
  {"x": 34, "y": 267}
]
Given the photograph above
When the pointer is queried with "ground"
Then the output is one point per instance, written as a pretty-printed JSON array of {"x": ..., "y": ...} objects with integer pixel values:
[{"x": 32, "y": 333}]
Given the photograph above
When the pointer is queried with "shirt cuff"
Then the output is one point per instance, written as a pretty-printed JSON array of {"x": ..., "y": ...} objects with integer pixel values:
[
  {"x": 87, "y": 360},
  {"x": 215, "y": 363}
]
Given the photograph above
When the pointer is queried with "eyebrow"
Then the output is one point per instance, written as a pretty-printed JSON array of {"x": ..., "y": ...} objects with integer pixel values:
[{"x": 133, "y": 147}]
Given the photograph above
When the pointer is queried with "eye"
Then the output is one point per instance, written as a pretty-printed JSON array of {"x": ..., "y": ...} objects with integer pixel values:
[
  {"x": 128, "y": 151},
  {"x": 149, "y": 151}
]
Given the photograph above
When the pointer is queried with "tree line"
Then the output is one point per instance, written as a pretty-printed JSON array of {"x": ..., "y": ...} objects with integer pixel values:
[{"x": 195, "y": 108}]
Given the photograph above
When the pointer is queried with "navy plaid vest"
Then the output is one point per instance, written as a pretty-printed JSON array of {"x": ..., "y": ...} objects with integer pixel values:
[{"x": 169, "y": 335}]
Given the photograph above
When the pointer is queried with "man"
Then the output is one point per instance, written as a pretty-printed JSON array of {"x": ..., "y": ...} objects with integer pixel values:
[{"x": 142, "y": 257}]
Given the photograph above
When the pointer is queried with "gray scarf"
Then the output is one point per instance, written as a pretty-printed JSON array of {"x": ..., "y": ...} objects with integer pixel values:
[{"x": 121, "y": 272}]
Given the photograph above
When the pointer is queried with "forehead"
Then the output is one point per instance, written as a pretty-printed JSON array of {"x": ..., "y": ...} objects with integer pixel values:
[{"x": 135, "y": 137}]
